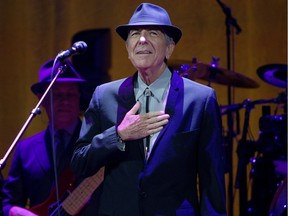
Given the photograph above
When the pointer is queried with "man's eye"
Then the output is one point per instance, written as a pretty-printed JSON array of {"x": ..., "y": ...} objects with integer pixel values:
[
  {"x": 153, "y": 33},
  {"x": 134, "y": 33}
]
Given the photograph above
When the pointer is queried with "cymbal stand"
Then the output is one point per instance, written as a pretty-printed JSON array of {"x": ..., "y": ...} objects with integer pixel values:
[
  {"x": 243, "y": 159},
  {"x": 229, "y": 21}
]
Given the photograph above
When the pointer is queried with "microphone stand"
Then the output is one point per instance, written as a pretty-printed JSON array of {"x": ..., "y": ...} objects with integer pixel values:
[
  {"x": 33, "y": 113},
  {"x": 230, "y": 20}
]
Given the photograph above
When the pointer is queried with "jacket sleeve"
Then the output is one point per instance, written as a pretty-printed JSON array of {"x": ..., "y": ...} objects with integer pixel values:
[
  {"x": 95, "y": 145},
  {"x": 210, "y": 161},
  {"x": 13, "y": 192}
]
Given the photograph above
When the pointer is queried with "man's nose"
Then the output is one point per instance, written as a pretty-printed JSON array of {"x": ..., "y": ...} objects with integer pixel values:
[{"x": 142, "y": 39}]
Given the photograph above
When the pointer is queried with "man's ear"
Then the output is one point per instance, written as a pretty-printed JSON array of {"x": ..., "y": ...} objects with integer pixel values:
[{"x": 170, "y": 49}]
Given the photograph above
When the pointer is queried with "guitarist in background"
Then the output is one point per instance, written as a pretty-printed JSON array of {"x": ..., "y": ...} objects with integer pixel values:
[{"x": 30, "y": 186}]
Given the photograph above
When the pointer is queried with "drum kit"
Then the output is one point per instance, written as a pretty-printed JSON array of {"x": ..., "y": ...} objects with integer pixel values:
[{"x": 268, "y": 154}]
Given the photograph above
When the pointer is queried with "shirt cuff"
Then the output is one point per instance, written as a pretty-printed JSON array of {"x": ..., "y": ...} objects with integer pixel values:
[{"x": 120, "y": 144}]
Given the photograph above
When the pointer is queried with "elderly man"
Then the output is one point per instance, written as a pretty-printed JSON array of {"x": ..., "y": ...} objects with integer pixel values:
[{"x": 155, "y": 132}]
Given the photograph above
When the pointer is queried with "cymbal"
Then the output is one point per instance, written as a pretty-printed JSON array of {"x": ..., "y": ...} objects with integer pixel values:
[
  {"x": 209, "y": 73},
  {"x": 274, "y": 74}
]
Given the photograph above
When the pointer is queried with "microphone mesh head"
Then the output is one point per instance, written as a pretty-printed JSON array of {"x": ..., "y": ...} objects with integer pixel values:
[{"x": 80, "y": 47}]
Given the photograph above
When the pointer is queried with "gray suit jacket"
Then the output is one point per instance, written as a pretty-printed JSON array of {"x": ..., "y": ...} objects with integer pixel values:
[{"x": 187, "y": 147}]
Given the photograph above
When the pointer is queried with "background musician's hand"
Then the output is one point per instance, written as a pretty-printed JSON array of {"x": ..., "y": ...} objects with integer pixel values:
[
  {"x": 136, "y": 126},
  {"x": 19, "y": 211}
]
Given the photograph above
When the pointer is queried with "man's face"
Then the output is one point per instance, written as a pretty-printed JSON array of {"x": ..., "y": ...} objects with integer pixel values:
[
  {"x": 66, "y": 104},
  {"x": 148, "y": 47}
]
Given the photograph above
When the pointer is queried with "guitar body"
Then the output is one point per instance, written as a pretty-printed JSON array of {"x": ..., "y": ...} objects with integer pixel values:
[
  {"x": 74, "y": 201},
  {"x": 65, "y": 184}
]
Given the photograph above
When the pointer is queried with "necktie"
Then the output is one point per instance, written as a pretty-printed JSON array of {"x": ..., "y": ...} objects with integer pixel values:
[
  {"x": 60, "y": 147},
  {"x": 147, "y": 94}
]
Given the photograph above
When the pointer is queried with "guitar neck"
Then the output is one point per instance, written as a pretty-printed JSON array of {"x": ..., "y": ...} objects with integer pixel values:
[{"x": 79, "y": 196}]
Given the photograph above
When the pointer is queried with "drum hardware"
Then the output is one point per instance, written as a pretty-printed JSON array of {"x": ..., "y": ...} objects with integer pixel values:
[
  {"x": 278, "y": 206},
  {"x": 281, "y": 99},
  {"x": 273, "y": 136},
  {"x": 264, "y": 184},
  {"x": 246, "y": 149},
  {"x": 269, "y": 167},
  {"x": 244, "y": 153},
  {"x": 271, "y": 149},
  {"x": 211, "y": 72},
  {"x": 274, "y": 74}
]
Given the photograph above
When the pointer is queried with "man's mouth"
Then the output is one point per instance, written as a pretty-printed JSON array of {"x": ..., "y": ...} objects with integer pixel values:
[{"x": 143, "y": 52}]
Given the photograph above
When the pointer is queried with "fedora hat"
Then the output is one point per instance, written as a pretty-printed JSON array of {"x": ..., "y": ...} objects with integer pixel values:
[
  {"x": 147, "y": 14},
  {"x": 44, "y": 75}
]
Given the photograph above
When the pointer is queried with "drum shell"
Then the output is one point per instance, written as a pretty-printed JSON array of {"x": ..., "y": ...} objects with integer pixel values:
[{"x": 273, "y": 136}]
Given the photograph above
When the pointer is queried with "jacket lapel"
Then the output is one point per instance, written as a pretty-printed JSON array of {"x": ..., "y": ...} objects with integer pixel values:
[
  {"x": 175, "y": 88},
  {"x": 126, "y": 98},
  {"x": 126, "y": 102},
  {"x": 43, "y": 152}
]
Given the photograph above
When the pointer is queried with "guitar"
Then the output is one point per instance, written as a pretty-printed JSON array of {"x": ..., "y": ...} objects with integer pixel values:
[
  {"x": 65, "y": 183},
  {"x": 75, "y": 200}
]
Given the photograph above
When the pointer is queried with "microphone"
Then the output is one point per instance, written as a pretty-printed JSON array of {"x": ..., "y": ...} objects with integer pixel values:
[{"x": 78, "y": 47}]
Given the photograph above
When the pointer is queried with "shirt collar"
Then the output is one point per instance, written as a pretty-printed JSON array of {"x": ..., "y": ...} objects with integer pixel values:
[
  {"x": 158, "y": 87},
  {"x": 70, "y": 129}
]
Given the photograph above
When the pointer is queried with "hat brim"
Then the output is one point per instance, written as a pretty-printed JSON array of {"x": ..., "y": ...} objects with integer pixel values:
[
  {"x": 171, "y": 31},
  {"x": 40, "y": 87}
]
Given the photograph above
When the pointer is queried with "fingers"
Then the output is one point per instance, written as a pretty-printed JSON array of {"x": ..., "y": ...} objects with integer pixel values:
[
  {"x": 157, "y": 124},
  {"x": 135, "y": 126},
  {"x": 154, "y": 122},
  {"x": 154, "y": 130},
  {"x": 152, "y": 117}
]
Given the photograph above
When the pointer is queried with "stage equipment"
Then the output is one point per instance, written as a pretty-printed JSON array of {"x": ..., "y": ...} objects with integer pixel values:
[
  {"x": 211, "y": 73},
  {"x": 274, "y": 74}
]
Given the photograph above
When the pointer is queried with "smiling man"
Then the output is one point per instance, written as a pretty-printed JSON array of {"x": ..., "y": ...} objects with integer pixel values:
[{"x": 155, "y": 132}]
